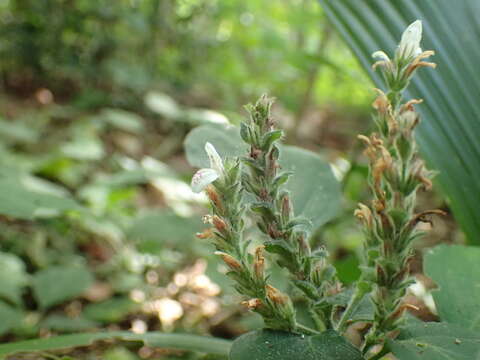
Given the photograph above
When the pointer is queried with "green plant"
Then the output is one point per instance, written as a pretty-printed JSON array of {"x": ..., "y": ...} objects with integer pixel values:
[
  {"x": 451, "y": 111},
  {"x": 396, "y": 174}
]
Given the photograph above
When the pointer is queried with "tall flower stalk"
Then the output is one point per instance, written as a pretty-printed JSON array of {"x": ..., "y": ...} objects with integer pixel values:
[
  {"x": 396, "y": 174},
  {"x": 287, "y": 233},
  {"x": 223, "y": 186}
]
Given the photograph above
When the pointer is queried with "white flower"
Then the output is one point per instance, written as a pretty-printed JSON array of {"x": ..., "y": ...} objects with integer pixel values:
[
  {"x": 410, "y": 43},
  {"x": 216, "y": 162},
  {"x": 380, "y": 56},
  {"x": 206, "y": 176}
]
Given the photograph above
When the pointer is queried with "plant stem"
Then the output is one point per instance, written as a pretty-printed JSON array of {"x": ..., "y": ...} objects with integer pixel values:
[{"x": 306, "y": 330}]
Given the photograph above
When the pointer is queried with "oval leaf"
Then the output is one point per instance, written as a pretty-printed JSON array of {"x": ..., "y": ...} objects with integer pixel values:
[
  {"x": 277, "y": 345},
  {"x": 59, "y": 283},
  {"x": 456, "y": 270},
  {"x": 434, "y": 341},
  {"x": 315, "y": 191}
]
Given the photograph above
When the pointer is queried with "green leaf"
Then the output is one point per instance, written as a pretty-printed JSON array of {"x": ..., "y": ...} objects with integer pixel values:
[
  {"x": 456, "y": 270},
  {"x": 315, "y": 191},
  {"x": 66, "y": 324},
  {"x": 110, "y": 311},
  {"x": 15, "y": 131},
  {"x": 277, "y": 345},
  {"x": 10, "y": 317},
  {"x": 153, "y": 229},
  {"x": 12, "y": 277},
  {"x": 162, "y": 104},
  {"x": 448, "y": 134},
  {"x": 203, "y": 116},
  {"x": 21, "y": 197},
  {"x": 435, "y": 341},
  {"x": 153, "y": 339},
  {"x": 59, "y": 283},
  {"x": 123, "y": 120},
  {"x": 363, "y": 311}
]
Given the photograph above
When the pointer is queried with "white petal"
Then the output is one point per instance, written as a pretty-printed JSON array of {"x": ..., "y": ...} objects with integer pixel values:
[
  {"x": 203, "y": 178},
  {"x": 380, "y": 55},
  {"x": 410, "y": 42},
  {"x": 216, "y": 162}
]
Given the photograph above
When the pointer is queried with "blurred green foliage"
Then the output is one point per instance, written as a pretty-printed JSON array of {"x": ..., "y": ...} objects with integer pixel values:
[{"x": 211, "y": 52}]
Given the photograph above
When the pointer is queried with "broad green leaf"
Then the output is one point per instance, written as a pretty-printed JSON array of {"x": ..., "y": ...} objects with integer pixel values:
[
  {"x": 59, "y": 283},
  {"x": 10, "y": 317},
  {"x": 14, "y": 131},
  {"x": 111, "y": 310},
  {"x": 153, "y": 229},
  {"x": 22, "y": 198},
  {"x": 204, "y": 116},
  {"x": 153, "y": 339},
  {"x": 138, "y": 173},
  {"x": 277, "y": 345},
  {"x": 84, "y": 147},
  {"x": 315, "y": 191},
  {"x": 227, "y": 142},
  {"x": 12, "y": 277},
  {"x": 436, "y": 341},
  {"x": 456, "y": 271},
  {"x": 448, "y": 133},
  {"x": 66, "y": 324},
  {"x": 162, "y": 104},
  {"x": 123, "y": 120}
]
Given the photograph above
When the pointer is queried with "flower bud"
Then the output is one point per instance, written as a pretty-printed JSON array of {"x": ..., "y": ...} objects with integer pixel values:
[
  {"x": 364, "y": 214},
  {"x": 259, "y": 262},
  {"x": 286, "y": 208},
  {"x": 381, "y": 103},
  {"x": 214, "y": 196},
  {"x": 408, "y": 106},
  {"x": 382, "y": 60},
  {"x": 219, "y": 224},
  {"x": 207, "y": 219},
  {"x": 205, "y": 234},
  {"x": 276, "y": 296},
  {"x": 230, "y": 261},
  {"x": 252, "y": 304}
]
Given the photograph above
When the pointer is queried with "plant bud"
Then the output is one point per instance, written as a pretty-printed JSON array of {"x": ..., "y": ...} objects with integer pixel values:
[
  {"x": 277, "y": 297},
  {"x": 259, "y": 262},
  {"x": 364, "y": 214},
  {"x": 214, "y": 197},
  {"x": 408, "y": 106},
  {"x": 219, "y": 224},
  {"x": 381, "y": 275},
  {"x": 303, "y": 243},
  {"x": 230, "y": 261},
  {"x": 252, "y": 304},
  {"x": 207, "y": 219},
  {"x": 381, "y": 103},
  {"x": 286, "y": 208},
  {"x": 205, "y": 234}
]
